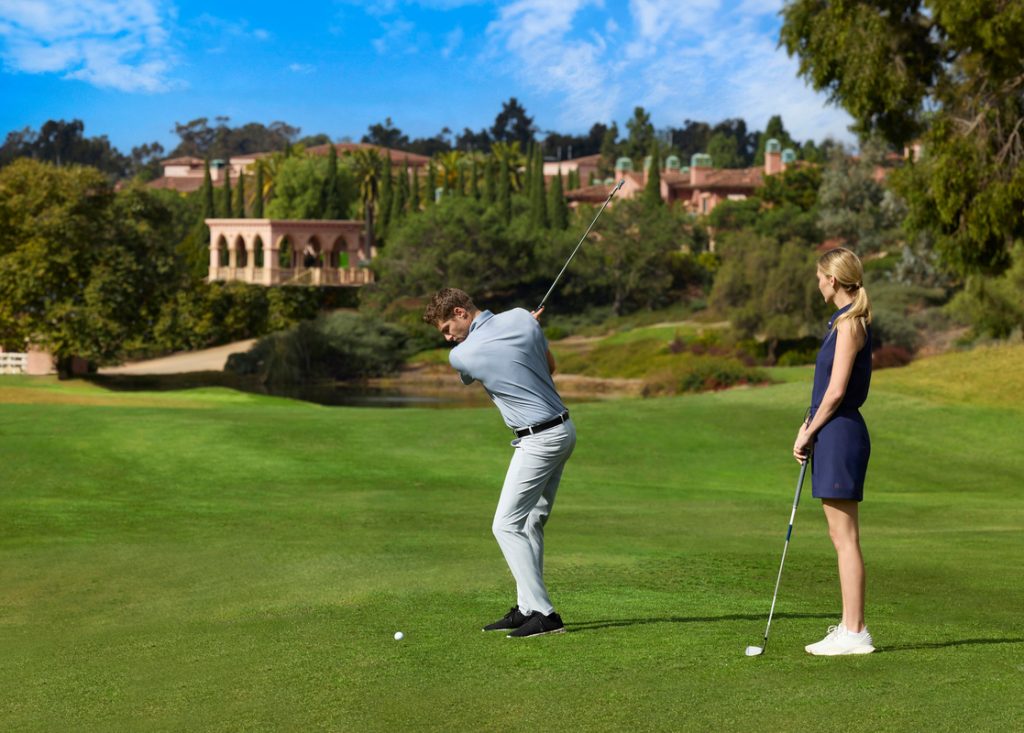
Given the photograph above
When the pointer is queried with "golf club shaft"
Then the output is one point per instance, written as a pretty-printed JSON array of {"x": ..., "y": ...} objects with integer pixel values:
[
  {"x": 558, "y": 277},
  {"x": 789, "y": 533}
]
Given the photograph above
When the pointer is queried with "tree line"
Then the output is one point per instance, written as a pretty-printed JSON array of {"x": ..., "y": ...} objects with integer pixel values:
[{"x": 730, "y": 142}]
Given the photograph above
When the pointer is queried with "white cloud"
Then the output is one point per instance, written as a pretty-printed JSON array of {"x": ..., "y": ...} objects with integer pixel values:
[
  {"x": 537, "y": 34},
  {"x": 117, "y": 44},
  {"x": 298, "y": 68},
  {"x": 223, "y": 28},
  {"x": 698, "y": 59},
  {"x": 451, "y": 42},
  {"x": 396, "y": 37},
  {"x": 656, "y": 18}
]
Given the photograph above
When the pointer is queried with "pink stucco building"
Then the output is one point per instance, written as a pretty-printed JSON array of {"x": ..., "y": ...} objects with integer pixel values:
[
  {"x": 699, "y": 187},
  {"x": 185, "y": 174},
  {"x": 289, "y": 252}
]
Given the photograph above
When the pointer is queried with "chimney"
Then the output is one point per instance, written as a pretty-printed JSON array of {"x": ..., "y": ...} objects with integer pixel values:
[
  {"x": 788, "y": 158},
  {"x": 622, "y": 166},
  {"x": 700, "y": 167},
  {"x": 772, "y": 157}
]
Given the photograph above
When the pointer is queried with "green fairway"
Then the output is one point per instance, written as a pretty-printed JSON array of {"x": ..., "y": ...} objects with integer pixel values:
[{"x": 209, "y": 560}]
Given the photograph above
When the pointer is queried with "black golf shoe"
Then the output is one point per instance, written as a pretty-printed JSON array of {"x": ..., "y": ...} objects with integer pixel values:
[
  {"x": 538, "y": 625},
  {"x": 511, "y": 620}
]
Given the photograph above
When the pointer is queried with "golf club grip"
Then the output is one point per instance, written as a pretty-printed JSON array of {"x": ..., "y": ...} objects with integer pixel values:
[{"x": 580, "y": 244}]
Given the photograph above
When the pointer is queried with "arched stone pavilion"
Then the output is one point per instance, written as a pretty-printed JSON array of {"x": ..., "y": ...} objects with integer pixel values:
[{"x": 289, "y": 252}]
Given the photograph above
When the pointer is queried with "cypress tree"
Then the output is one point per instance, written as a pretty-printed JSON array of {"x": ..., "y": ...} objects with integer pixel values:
[
  {"x": 209, "y": 209},
  {"x": 330, "y": 198},
  {"x": 528, "y": 173},
  {"x": 339, "y": 205},
  {"x": 489, "y": 189},
  {"x": 538, "y": 203},
  {"x": 460, "y": 180},
  {"x": 398, "y": 197},
  {"x": 195, "y": 248},
  {"x": 504, "y": 192},
  {"x": 385, "y": 196},
  {"x": 474, "y": 185},
  {"x": 558, "y": 210},
  {"x": 257, "y": 202},
  {"x": 574, "y": 179},
  {"x": 414, "y": 200},
  {"x": 429, "y": 195},
  {"x": 652, "y": 190},
  {"x": 240, "y": 197},
  {"x": 226, "y": 203}
]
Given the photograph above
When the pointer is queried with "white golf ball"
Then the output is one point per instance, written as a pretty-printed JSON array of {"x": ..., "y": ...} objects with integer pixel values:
[{"x": 399, "y": 636}]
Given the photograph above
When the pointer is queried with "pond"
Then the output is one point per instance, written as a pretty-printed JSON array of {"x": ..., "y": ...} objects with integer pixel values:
[
  {"x": 349, "y": 395},
  {"x": 334, "y": 394}
]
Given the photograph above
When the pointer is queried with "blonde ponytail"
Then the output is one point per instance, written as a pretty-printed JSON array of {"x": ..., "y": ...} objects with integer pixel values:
[{"x": 846, "y": 268}]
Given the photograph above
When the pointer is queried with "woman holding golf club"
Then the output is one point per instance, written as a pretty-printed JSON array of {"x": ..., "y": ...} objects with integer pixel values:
[{"x": 835, "y": 438}]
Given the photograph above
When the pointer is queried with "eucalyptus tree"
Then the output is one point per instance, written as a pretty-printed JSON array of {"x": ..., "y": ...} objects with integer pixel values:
[{"x": 948, "y": 74}]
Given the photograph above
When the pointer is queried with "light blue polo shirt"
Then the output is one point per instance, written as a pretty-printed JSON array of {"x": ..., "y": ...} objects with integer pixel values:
[{"x": 507, "y": 354}]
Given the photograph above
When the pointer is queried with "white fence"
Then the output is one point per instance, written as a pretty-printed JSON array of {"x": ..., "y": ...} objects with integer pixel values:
[{"x": 13, "y": 363}]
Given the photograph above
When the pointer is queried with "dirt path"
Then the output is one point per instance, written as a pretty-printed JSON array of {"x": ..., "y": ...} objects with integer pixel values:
[{"x": 207, "y": 360}]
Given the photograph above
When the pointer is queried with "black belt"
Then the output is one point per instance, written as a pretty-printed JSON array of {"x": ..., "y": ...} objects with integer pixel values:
[{"x": 542, "y": 426}]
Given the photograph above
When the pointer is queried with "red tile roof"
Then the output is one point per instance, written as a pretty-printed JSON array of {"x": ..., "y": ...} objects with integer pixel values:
[
  {"x": 398, "y": 157},
  {"x": 254, "y": 156},
  {"x": 182, "y": 184},
  {"x": 184, "y": 160},
  {"x": 717, "y": 178},
  {"x": 596, "y": 193},
  {"x": 595, "y": 158}
]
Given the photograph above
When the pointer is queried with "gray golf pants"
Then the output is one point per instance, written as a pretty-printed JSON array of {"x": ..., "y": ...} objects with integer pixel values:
[{"x": 524, "y": 506}]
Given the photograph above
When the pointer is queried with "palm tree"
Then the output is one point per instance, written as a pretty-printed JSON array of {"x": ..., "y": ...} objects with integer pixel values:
[
  {"x": 366, "y": 166},
  {"x": 269, "y": 166},
  {"x": 451, "y": 161},
  {"x": 514, "y": 159}
]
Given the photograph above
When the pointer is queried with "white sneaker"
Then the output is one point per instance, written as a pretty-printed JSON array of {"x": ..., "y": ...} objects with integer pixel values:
[{"x": 841, "y": 640}]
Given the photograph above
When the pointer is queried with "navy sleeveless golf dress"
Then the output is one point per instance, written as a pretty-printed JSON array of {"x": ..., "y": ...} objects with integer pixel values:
[{"x": 842, "y": 446}]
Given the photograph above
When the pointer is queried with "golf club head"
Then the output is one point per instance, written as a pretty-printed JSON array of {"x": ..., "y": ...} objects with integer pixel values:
[{"x": 754, "y": 651}]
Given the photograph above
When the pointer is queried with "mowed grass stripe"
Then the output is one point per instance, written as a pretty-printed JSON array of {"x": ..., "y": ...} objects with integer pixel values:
[{"x": 242, "y": 564}]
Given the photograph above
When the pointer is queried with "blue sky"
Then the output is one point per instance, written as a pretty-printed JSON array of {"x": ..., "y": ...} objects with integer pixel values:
[{"x": 130, "y": 69}]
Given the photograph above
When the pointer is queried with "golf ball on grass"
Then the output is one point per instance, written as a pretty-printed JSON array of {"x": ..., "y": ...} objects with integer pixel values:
[{"x": 399, "y": 636}]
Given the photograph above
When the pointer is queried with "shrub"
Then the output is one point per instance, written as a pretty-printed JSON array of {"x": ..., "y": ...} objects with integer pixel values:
[
  {"x": 797, "y": 357},
  {"x": 217, "y": 313},
  {"x": 994, "y": 306},
  {"x": 890, "y": 356},
  {"x": 699, "y": 373},
  {"x": 336, "y": 347},
  {"x": 890, "y": 328},
  {"x": 555, "y": 333}
]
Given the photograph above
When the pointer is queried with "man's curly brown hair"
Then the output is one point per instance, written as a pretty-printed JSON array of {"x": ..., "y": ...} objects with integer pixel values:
[{"x": 443, "y": 304}]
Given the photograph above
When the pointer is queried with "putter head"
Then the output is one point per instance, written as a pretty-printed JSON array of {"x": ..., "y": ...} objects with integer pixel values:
[{"x": 754, "y": 651}]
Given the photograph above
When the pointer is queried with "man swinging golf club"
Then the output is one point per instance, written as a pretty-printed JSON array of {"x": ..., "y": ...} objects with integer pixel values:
[{"x": 508, "y": 354}]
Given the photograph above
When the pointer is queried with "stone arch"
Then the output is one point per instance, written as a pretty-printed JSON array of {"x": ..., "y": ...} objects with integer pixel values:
[
  {"x": 257, "y": 252},
  {"x": 223, "y": 255},
  {"x": 285, "y": 252},
  {"x": 241, "y": 256},
  {"x": 312, "y": 253},
  {"x": 340, "y": 257}
]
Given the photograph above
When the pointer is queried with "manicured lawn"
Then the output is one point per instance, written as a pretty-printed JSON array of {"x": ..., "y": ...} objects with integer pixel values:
[{"x": 206, "y": 560}]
